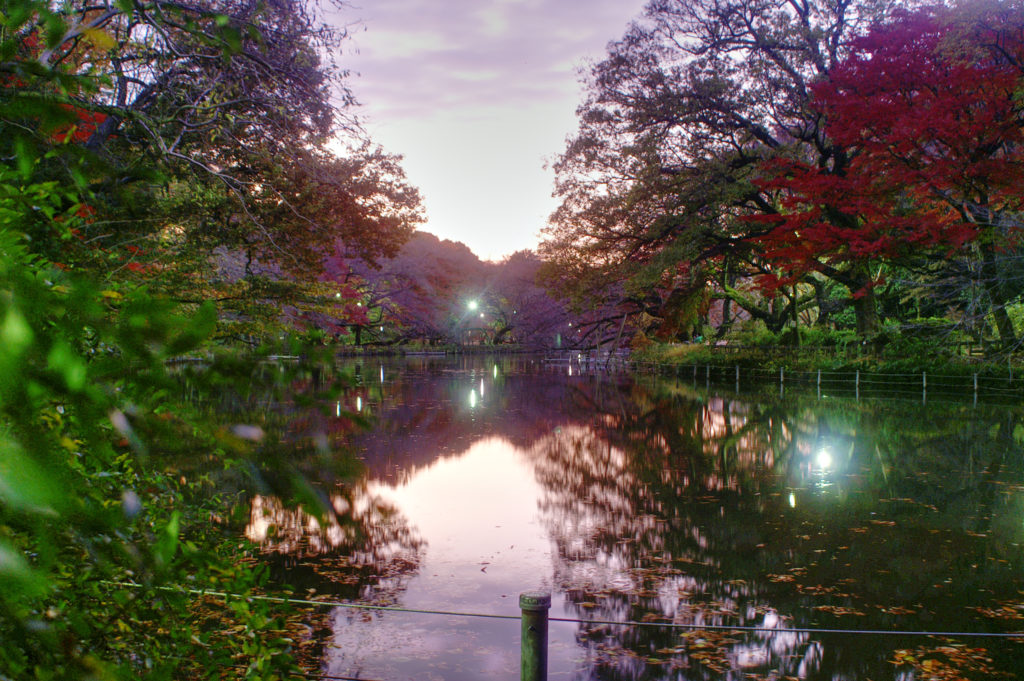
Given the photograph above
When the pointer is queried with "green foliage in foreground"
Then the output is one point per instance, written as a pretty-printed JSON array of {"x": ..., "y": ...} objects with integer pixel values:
[
  {"x": 122, "y": 490},
  {"x": 115, "y": 492}
]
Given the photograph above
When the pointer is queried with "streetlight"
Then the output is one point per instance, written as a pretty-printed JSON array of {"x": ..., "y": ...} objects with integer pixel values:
[{"x": 473, "y": 305}]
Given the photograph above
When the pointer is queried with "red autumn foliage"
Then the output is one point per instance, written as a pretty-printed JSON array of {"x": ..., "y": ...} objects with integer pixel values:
[
  {"x": 84, "y": 122},
  {"x": 83, "y": 128},
  {"x": 928, "y": 141}
]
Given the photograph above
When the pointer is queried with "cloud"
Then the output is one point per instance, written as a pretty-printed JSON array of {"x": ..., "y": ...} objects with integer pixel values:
[
  {"x": 476, "y": 94},
  {"x": 416, "y": 56}
]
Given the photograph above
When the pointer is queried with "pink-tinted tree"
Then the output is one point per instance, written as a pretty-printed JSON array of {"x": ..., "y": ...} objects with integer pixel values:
[{"x": 927, "y": 108}]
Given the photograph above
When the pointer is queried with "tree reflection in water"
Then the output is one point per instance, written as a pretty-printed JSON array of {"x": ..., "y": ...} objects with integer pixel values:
[
  {"x": 364, "y": 544},
  {"x": 665, "y": 503}
]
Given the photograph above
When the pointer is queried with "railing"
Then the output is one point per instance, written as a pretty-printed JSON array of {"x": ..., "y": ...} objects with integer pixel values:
[
  {"x": 534, "y": 619},
  {"x": 854, "y": 382}
]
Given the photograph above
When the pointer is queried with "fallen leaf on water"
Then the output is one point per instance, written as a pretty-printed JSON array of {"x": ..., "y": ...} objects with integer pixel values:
[
  {"x": 781, "y": 578},
  {"x": 838, "y": 610},
  {"x": 950, "y": 662}
]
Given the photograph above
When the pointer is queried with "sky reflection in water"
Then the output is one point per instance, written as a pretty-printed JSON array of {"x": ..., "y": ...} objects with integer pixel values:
[{"x": 656, "y": 500}]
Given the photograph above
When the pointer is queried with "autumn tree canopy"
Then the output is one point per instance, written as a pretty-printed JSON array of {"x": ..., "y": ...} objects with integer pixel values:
[
  {"x": 197, "y": 126},
  {"x": 678, "y": 119},
  {"x": 769, "y": 151}
]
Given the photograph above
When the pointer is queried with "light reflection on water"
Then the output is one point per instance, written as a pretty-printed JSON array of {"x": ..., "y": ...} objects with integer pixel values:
[{"x": 656, "y": 500}]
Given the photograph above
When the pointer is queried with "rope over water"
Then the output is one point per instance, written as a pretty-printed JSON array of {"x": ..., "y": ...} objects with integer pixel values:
[{"x": 627, "y": 623}]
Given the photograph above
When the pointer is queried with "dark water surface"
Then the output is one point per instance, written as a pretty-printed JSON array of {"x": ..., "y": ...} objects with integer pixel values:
[{"x": 647, "y": 499}]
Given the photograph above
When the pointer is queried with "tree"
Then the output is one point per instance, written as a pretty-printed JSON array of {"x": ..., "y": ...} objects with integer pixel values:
[
  {"x": 422, "y": 290},
  {"x": 109, "y": 113},
  {"x": 678, "y": 120},
  {"x": 927, "y": 106},
  {"x": 522, "y": 310},
  {"x": 228, "y": 104}
]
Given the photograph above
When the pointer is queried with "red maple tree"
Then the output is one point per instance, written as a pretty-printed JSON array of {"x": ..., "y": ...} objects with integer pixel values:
[{"x": 927, "y": 128}]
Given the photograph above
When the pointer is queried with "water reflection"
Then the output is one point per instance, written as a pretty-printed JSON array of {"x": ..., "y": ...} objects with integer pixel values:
[{"x": 654, "y": 501}]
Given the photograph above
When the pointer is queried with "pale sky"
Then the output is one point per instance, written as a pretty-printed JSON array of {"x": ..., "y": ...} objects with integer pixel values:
[{"x": 477, "y": 95}]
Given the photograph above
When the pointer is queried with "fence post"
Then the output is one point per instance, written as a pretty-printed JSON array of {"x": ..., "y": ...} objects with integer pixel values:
[{"x": 534, "y": 653}]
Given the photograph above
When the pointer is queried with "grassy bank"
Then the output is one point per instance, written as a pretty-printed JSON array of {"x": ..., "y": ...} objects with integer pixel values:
[{"x": 896, "y": 358}]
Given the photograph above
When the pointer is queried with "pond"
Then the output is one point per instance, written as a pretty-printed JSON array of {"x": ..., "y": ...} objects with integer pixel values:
[{"x": 657, "y": 501}]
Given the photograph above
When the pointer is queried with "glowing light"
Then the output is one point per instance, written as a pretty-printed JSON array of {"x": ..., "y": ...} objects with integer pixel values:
[
  {"x": 824, "y": 458},
  {"x": 481, "y": 315},
  {"x": 481, "y": 387},
  {"x": 359, "y": 404},
  {"x": 495, "y": 370},
  {"x": 473, "y": 304},
  {"x": 382, "y": 373},
  {"x": 337, "y": 295},
  {"x": 792, "y": 500},
  {"x": 472, "y": 399},
  {"x": 337, "y": 409}
]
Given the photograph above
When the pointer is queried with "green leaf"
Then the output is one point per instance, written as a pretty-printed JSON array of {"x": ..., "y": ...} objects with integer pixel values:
[
  {"x": 99, "y": 38},
  {"x": 167, "y": 545},
  {"x": 232, "y": 40},
  {"x": 24, "y": 484},
  {"x": 26, "y": 157},
  {"x": 18, "y": 576},
  {"x": 69, "y": 365},
  {"x": 55, "y": 30},
  {"x": 15, "y": 334}
]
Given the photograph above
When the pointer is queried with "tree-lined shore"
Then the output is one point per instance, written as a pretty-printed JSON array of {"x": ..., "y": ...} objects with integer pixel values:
[{"x": 190, "y": 179}]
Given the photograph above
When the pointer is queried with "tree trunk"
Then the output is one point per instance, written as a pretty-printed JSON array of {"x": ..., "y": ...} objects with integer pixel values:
[
  {"x": 866, "y": 311},
  {"x": 1007, "y": 335},
  {"x": 998, "y": 299},
  {"x": 795, "y": 309}
]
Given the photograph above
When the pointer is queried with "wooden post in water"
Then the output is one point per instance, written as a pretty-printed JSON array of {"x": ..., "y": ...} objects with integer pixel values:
[
  {"x": 534, "y": 646},
  {"x": 857, "y": 384},
  {"x": 737, "y": 378}
]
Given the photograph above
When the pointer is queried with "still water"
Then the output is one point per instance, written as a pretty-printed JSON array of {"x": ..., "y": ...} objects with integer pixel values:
[{"x": 657, "y": 500}]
